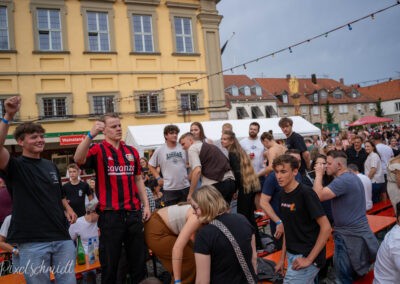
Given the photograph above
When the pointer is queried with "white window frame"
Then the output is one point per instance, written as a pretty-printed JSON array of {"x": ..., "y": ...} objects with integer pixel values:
[
  {"x": 148, "y": 102},
  {"x": 343, "y": 109},
  {"x": 285, "y": 99},
  {"x": 98, "y": 32},
  {"x": 55, "y": 107},
  {"x": 189, "y": 97},
  {"x": 315, "y": 110},
  {"x": 142, "y": 34},
  {"x": 183, "y": 35},
  {"x": 371, "y": 106},
  {"x": 304, "y": 109},
  {"x": 50, "y": 31},
  {"x": 104, "y": 104},
  {"x": 330, "y": 108},
  {"x": 54, "y": 96},
  {"x": 5, "y": 28},
  {"x": 397, "y": 106},
  {"x": 91, "y": 98}
]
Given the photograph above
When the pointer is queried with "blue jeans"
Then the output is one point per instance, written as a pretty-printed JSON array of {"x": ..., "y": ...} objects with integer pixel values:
[
  {"x": 36, "y": 260},
  {"x": 377, "y": 189},
  {"x": 341, "y": 262},
  {"x": 301, "y": 276}
]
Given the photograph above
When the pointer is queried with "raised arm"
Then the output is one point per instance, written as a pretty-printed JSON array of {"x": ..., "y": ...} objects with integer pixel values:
[
  {"x": 83, "y": 147},
  {"x": 12, "y": 106}
]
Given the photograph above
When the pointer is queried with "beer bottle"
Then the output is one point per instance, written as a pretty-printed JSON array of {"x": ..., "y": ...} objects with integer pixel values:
[{"x": 80, "y": 255}]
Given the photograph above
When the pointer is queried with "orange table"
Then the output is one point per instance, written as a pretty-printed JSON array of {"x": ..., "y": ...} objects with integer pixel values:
[{"x": 379, "y": 223}]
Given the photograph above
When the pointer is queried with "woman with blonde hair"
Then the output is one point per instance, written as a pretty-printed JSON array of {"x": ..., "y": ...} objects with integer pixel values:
[
  {"x": 246, "y": 179},
  {"x": 216, "y": 259}
]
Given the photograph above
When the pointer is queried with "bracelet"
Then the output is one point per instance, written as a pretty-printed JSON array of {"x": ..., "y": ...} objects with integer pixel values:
[
  {"x": 178, "y": 281},
  {"x": 5, "y": 120},
  {"x": 157, "y": 179},
  {"x": 90, "y": 135},
  {"x": 14, "y": 251},
  {"x": 278, "y": 222}
]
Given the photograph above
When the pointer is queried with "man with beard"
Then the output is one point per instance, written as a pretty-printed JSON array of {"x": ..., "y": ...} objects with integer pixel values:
[{"x": 255, "y": 149}]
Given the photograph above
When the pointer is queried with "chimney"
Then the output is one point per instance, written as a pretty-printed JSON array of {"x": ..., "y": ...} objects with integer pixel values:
[
  {"x": 341, "y": 80},
  {"x": 313, "y": 78},
  {"x": 288, "y": 77}
]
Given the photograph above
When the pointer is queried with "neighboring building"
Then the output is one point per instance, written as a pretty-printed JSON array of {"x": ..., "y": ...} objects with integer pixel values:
[
  {"x": 308, "y": 98},
  {"x": 248, "y": 100},
  {"x": 72, "y": 61},
  {"x": 389, "y": 92}
]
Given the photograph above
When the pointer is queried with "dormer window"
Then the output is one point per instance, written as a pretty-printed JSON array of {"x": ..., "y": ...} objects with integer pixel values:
[
  {"x": 354, "y": 94},
  {"x": 245, "y": 90},
  {"x": 256, "y": 90},
  {"x": 233, "y": 90},
  {"x": 285, "y": 98},
  {"x": 315, "y": 97},
  {"x": 338, "y": 94},
  {"x": 323, "y": 94}
]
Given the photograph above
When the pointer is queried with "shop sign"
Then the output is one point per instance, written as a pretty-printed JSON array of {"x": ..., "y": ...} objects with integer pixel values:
[{"x": 71, "y": 139}]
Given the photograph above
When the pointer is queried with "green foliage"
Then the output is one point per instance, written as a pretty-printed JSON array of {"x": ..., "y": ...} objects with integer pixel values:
[
  {"x": 379, "y": 110},
  {"x": 330, "y": 116}
]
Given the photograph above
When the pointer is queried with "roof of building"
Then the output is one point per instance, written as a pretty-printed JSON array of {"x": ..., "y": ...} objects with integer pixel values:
[{"x": 387, "y": 91}]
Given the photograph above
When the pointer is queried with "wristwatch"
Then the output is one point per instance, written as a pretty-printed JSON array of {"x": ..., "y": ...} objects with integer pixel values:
[{"x": 15, "y": 251}]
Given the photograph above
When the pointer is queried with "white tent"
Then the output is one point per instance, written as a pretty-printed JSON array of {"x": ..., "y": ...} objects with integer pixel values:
[{"x": 146, "y": 137}]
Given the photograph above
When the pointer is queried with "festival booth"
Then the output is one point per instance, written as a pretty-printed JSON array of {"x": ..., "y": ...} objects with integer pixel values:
[{"x": 148, "y": 137}]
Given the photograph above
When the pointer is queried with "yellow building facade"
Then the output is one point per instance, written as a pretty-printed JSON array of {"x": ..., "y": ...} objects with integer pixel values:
[{"x": 148, "y": 60}]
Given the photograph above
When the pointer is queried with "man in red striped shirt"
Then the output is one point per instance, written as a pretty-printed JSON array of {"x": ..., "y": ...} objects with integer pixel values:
[{"x": 119, "y": 189}]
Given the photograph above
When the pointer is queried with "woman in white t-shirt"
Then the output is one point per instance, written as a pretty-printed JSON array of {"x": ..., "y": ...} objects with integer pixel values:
[{"x": 373, "y": 169}]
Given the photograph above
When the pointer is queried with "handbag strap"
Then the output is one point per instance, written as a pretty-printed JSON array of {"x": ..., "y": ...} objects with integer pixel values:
[{"x": 236, "y": 248}]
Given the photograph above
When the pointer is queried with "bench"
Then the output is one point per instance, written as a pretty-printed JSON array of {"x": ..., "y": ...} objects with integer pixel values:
[
  {"x": 387, "y": 212},
  {"x": 380, "y": 206}
]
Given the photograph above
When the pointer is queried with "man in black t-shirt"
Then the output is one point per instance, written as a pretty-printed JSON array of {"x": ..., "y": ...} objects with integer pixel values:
[
  {"x": 76, "y": 190},
  {"x": 38, "y": 225},
  {"x": 356, "y": 154},
  {"x": 307, "y": 229},
  {"x": 295, "y": 141}
]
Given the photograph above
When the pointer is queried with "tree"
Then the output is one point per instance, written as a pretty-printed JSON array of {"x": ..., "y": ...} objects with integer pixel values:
[
  {"x": 330, "y": 116},
  {"x": 379, "y": 110}
]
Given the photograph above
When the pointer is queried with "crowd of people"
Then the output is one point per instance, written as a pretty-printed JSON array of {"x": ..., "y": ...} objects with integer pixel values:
[{"x": 181, "y": 202}]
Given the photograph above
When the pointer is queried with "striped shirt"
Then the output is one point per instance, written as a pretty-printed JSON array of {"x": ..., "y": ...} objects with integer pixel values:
[{"x": 115, "y": 175}]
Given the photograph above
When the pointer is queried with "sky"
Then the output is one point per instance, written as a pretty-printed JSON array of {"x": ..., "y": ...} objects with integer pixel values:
[{"x": 369, "y": 52}]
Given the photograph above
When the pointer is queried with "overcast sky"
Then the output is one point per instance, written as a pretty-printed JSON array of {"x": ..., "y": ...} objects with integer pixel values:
[{"x": 370, "y": 51}]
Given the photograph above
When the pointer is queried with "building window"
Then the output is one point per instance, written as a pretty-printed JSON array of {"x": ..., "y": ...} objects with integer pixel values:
[
  {"x": 245, "y": 90},
  {"x": 315, "y": 97},
  {"x": 256, "y": 112},
  {"x": 343, "y": 109},
  {"x": 343, "y": 123},
  {"x": 4, "y": 35},
  {"x": 371, "y": 107},
  {"x": 241, "y": 113},
  {"x": 54, "y": 108},
  {"x": 189, "y": 102},
  {"x": 183, "y": 35},
  {"x": 49, "y": 29},
  {"x": 98, "y": 31},
  {"x": 103, "y": 104},
  {"x": 358, "y": 107},
  {"x": 233, "y": 90},
  {"x": 304, "y": 109},
  {"x": 331, "y": 108},
  {"x": 337, "y": 95},
  {"x": 285, "y": 110},
  {"x": 315, "y": 110},
  {"x": 143, "y": 33},
  {"x": 397, "y": 106},
  {"x": 270, "y": 111},
  {"x": 285, "y": 98},
  {"x": 148, "y": 103}
]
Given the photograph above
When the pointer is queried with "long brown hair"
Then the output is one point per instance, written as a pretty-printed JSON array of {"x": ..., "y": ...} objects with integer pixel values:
[{"x": 250, "y": 180}]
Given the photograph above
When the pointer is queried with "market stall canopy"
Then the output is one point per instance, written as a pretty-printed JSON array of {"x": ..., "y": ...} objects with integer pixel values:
[
  {"x": 370, "y": 120},
  {"x": 146, "y": 137}
]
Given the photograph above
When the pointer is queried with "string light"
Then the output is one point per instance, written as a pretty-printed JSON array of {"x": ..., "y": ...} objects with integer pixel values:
[
  {"x": 325, "y": 34},
  {"x": 372, "y": 17}
]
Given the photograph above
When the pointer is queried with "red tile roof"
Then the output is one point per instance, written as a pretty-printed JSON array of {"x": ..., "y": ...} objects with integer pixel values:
[
  {"x": 387, "y": 91},
  {"x": 243, "y": 80}
]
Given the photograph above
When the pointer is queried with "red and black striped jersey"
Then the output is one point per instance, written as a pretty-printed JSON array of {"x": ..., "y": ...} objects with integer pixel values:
[{"x": 115, "y": 175}]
